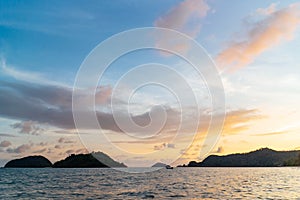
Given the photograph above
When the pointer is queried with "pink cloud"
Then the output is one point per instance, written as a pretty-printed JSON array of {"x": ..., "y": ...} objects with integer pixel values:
[
  {"x": 276, "y": 27},
  {"x": 5, "y": 143},
  {"x": 184, "y": 17},
  {"x": 103, "y": 94},
  {"x": 28, "y": 127},
  {"x": 20, "y": 149}
]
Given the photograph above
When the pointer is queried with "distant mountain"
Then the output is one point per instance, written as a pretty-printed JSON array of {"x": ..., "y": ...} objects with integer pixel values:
[
  {"x": 29, "y": 162},
  {"x": 92, "y": 160},
  {"x": 260, "y": 158},
  {"x": 159, "y": 164}
]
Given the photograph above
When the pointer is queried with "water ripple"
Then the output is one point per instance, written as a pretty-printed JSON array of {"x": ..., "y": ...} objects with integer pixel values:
[{"x": 180, "y": 183}]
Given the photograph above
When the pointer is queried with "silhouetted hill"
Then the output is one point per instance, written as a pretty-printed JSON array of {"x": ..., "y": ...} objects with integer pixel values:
[
  {"x": 260, "y": 158},
  {"x": 94, "y": 160},
  {"x": 159, "y": 164},
  {"x": 29, "y": 162}
]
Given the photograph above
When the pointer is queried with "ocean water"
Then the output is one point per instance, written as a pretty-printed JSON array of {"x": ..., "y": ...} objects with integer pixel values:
[{"x": 179, "y": 183}]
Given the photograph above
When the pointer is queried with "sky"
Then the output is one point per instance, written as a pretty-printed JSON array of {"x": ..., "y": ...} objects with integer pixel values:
[{"x": 254, "y": 45}]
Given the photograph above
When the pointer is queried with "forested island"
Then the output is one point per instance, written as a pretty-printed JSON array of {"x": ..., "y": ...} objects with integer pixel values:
[
  {"x": 29, "y": 162},
  {"x": 91, "y": 160},
  {"x": 264, "y": 157}
]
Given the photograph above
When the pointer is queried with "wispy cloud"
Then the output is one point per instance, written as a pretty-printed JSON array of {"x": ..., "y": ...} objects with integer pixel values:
[
  {"x": 77, "y": 151},
  {"x": 236, "y": 122},
  {"x": 184, "y": 17},
  {"x": 5, "y": 143},
  {"x": 7, "y": 135},
  {"x": 271, "y": 133},
  {"x": 277, "y": 26},
  {"x": 267, "y": 11},
  {"x": 287, "y": 129},
  {"x": 61, "y": 21},
  {"x": 28, "y": 76},
  {"x": 40, "y": 150},
  {"x": 28, "y": 127},
  {"x": 20, "y": 149},
  {"x": 65, "y": 141},
  {"x": 163, "y": 146}
]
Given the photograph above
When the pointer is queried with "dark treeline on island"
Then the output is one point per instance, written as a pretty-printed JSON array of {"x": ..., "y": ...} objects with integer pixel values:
[
  {"x": 29, "y": 162},
  {"x": 91, "y": 160},
  {"x": 264, "y": 157},
  {"x": 260, "y": 158}
]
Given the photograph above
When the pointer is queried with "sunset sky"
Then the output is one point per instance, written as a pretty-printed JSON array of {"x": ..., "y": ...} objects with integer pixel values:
[{"x": 255, "y": 45}]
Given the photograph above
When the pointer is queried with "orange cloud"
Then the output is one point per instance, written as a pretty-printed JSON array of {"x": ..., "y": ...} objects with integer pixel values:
[
  {"x": 236, "y": 122},
  {"x": 276, "y": 27},
  {"x": 271, "y": 133},
  {"x": 186, "y": 18},
  {"x": 103, "y": 94}
]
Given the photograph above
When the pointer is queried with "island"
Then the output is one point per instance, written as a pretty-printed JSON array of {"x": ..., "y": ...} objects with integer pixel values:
[
  {"x": 91, "y": 160},
  {"x": 263, "y": 157},
  {"x": 29, "y": 162},
  {"x": 159, "y": 164}
]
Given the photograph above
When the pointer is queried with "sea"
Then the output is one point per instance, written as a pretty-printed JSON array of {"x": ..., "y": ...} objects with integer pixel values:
[{"x": 178, "y": 183}]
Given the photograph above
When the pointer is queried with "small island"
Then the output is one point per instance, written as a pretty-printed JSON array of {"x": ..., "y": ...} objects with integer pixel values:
[
  {"x": 159, "y": 164},
  {"x": 29, "y": 162},
  {"x": 92, "y": 160}
]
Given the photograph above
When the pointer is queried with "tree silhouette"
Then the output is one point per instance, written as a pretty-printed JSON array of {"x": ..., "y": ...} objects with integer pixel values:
[{"x": 297, "y": 163}]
